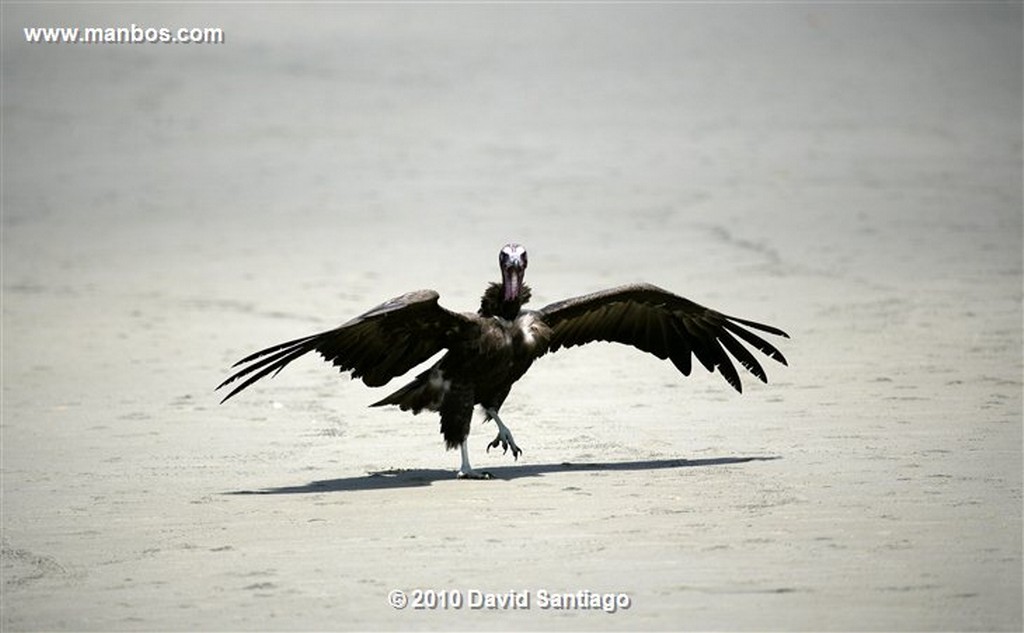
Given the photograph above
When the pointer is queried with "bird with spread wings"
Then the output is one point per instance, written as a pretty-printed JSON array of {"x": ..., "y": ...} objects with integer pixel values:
[{"x": 487, "y": 351}]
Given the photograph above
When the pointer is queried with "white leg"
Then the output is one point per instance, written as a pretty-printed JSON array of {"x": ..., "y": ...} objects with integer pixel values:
[
  {"x": 465, "y": 469},
  {"x": 493, "y": 415}
]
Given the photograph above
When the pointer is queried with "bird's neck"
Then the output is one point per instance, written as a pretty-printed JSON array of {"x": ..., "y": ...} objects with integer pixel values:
[{"x": 493, "y": 302}]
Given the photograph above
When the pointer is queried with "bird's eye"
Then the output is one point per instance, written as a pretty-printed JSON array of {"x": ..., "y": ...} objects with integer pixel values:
[{"x": 524, "y": 259}]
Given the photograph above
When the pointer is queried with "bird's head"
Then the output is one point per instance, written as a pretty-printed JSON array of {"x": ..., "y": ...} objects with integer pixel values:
[{"x": 512, "y": 261}]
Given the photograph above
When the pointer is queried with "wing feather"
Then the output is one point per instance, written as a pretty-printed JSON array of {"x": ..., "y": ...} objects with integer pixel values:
[
  {"x": 742, "y": 354},
  {"x": 762, "y": 345},
  {"x": 382, "y": 343},
  {"x": 271, "y": 365},
  {"x": 665, "y": 325}
]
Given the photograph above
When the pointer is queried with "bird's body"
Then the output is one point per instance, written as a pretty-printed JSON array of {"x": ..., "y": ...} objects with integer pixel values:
[
  {"x": 478, "y": 369},
  {"x": 489, "y": 350}
]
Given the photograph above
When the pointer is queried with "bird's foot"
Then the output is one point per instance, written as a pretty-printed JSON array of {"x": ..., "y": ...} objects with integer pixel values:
[
  {"x": 466, "y": 471},
  {"x": 504, "y": 438}
]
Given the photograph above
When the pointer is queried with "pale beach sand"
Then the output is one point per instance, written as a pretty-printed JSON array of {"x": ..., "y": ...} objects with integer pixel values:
[{"x": 850, "y": 173}]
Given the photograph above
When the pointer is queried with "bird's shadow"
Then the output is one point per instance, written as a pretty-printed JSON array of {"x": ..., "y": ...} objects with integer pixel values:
[{"x": 416, "y": 477}]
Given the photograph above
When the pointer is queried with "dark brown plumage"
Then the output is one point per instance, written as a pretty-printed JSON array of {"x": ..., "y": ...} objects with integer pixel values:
[{"x": 491, "y": 349}]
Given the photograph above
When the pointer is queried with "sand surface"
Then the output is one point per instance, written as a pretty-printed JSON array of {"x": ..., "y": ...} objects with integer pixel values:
[{"x": 849, "y": 173}]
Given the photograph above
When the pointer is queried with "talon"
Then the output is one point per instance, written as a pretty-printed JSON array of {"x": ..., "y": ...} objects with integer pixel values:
[
  {"x": 506, "y": 444},
  {"x": 504, "y": 437}
]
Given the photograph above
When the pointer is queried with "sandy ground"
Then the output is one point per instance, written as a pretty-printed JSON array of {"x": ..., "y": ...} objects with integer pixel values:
[{"x": 849, "y": 173}]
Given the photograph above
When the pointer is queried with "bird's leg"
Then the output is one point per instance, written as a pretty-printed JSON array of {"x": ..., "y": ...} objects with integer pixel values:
[
  {"x": 504, "y": 435},
  {"x": 465, "y": 470}
]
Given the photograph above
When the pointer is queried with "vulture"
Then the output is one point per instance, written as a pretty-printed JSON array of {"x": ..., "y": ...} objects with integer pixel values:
[{"x": 487, "y": 351}]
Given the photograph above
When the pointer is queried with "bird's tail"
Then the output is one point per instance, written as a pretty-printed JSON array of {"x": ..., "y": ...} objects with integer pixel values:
[{"x": 427, "y": 391}]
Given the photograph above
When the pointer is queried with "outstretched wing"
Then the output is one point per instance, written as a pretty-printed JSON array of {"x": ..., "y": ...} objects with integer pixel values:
[
  {"x": 661, "y": 323},
  {"x": 376, "y": 346}
]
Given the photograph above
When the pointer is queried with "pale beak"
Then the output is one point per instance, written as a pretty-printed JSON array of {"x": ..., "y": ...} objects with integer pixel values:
[{"x": 512, "y": 280}]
